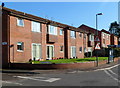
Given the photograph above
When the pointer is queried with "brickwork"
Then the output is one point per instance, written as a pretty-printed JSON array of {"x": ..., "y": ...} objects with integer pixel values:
[{"x": 13, "y": 34}]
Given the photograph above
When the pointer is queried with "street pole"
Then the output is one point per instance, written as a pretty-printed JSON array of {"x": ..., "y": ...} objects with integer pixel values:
[
  {"x": 96, "y": 43},
  {"x": 97, "y": 36}
]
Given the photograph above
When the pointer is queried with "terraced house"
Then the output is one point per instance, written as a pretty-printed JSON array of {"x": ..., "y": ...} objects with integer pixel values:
[
  {"x": 31, "y": 37},
  {"x": 25, "y": 37}
]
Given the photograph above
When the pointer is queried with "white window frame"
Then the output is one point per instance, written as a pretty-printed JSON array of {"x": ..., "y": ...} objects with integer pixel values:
[
  {"x": 71, "y": 34},
  {"x": 54, "y": 30},
  {"x": 22, "y": 47},
  {"x": 53, "y": 51},
  {"x": 35, "y": 26},
  {"x": 61, "y": 31},
  {"x": 32, "y": 50},
  {"x": 18, "y": 23},
  {"x": 79, "y": 49},
  {"x": 91, "y": 37}
]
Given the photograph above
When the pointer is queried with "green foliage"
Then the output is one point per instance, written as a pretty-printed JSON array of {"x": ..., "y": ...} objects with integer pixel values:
[
  {"x": 117, "y": 52},
  {"x": 115, "y": 26},
  {"x": 69, "y": 60}
]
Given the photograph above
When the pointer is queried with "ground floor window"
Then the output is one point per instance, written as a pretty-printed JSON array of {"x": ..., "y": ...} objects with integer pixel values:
[
  {"x": 36, "y": 51},
  {"x": 20, "y": 46},
  {"x": 73, "y": 52},
  {"x": 80, "y": 49}
]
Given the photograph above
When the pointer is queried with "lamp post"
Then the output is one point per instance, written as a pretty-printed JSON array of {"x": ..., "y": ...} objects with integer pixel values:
[{"x": 97, "y": 36}]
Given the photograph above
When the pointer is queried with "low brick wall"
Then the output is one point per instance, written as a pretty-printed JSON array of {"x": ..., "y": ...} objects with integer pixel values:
[
  {"x": 52, "y": 66},
  {"x": 102, "y": 62},
  {"x": 84, "y": 65}
]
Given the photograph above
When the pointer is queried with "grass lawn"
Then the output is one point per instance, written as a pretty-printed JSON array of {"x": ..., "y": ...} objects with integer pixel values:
[{"x": 70, "y": 60}]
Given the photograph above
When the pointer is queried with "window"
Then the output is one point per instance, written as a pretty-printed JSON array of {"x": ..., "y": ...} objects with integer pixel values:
[
  {"x": 36, "y": 51},
  {"x": 20, "y": 22},
  {"x": 80, "y": 34},
  {"x": 80, "y": 49},
  {"x": 85, "y": 36},
  {"x": 108, "y": 36},
  {"x": 91, "y": 37},
  {"x": 52, "y": 30},
  {"x": 61, "y": 48},
  {"x": 103, "y": 41},
  {"x": 85, "y": 50},
  {"x": 72, "y": 34},
  {"x": 35, "y": 26},
  {"x": 20, "y": 46},
  {"x": 61, "y": 31}
]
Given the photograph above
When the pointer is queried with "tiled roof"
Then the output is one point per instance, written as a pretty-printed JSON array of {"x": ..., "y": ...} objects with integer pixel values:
[
  {"x": 87, "y": 29},
  {"x": 36, "y": 18}
]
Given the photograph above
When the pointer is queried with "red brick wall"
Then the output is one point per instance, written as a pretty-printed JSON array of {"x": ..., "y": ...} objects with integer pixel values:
[
  {"x": 85, "y": 65},
  {"x": 20, "y": 34},
  {"x": 44, "y": 31},
  {"x": 24, "y": 34},
  {"x": 78, "y": 42},
  {"x": 57, "y": 44},
  {"x": 105, "y": 39},
  {"x": 115, "y": 40},
  {"x": 5, "y": 38}
]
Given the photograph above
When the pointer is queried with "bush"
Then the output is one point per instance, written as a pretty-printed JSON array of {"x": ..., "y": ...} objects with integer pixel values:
[{"x": 116, "y": 52}]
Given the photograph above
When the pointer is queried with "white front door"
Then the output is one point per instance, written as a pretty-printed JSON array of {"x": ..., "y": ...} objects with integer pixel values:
[
  {"x": 50, "y": 52},
  {"x": 73, "y": 52}
]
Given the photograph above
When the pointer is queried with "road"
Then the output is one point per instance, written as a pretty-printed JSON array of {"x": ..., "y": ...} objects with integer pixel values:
[{"x": 100, "y": 77}]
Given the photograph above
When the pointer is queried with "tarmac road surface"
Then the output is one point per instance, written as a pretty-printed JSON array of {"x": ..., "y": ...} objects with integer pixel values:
[{"x": 99, "y": 77}]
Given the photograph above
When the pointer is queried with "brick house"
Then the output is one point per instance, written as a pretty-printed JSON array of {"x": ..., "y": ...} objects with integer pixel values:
[
  {"x": 114, "y": 39},
  {"x": 32, "y": 37},
  {"x": 89, "y": 36},
  {"x": 25, "y": 37},
  {"x": 105, "y": 38}
]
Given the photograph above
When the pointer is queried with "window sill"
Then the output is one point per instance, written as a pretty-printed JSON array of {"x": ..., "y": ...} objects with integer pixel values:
[
  {"x": 73, "y": 38},
  {"x": 20, "y": 25},
  {"x": 36, "y": 32},
  {"x": 52, "y": 34},
  {"x": 20, "y": 50},
  {"x": 80, "y": 52}
]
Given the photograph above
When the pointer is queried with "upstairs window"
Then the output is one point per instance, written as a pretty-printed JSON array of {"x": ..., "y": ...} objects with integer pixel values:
[
  {"x": 84, "y": 36},
  {"x": 61, "y": 31},
  {"x": 80, "y": 34},
  {"x": 20, "y": 22},
  {"x": 35, "y": 26},
  {"x": 103, "y": 41},
  {"x": 91, "y": 37},
  {"x": 52, "y": 30},
  {"x": 20, "y": 46},
  {"x": 72, "y": 34}
]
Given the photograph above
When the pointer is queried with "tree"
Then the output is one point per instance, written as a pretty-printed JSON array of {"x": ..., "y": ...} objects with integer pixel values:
[{"x": 115, "y": 28}]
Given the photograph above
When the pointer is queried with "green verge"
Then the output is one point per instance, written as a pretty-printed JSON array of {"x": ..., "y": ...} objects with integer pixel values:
[{"x": 60, "y": 61}]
